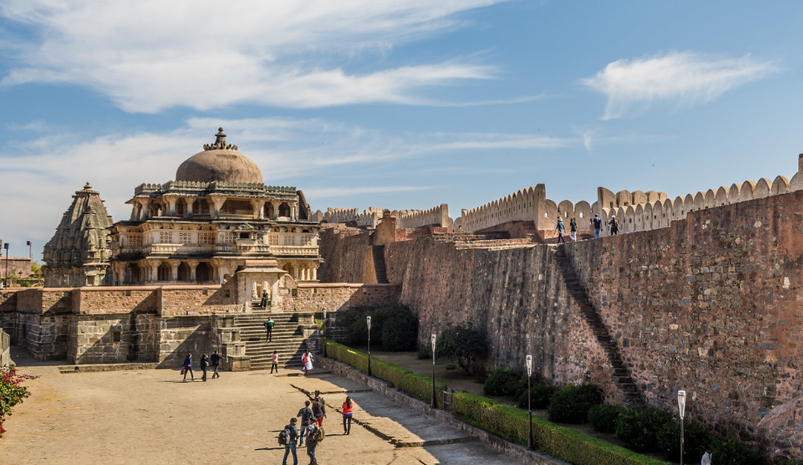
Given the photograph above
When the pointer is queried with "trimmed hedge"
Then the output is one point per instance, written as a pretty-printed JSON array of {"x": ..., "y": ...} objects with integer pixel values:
[
  {"x": 559, "y": 442},
  {"x": 412, "y": 384}
]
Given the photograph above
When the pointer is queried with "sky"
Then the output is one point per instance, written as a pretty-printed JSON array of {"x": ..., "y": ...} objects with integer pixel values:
[{"x": 401, "y": 105}]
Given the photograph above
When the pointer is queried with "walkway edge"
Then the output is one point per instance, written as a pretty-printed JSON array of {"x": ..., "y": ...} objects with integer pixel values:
[{"x": 500, "y": 444}]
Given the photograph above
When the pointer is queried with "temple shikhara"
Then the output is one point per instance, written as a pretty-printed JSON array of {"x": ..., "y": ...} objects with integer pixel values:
[{"x": 198, "y": 229}]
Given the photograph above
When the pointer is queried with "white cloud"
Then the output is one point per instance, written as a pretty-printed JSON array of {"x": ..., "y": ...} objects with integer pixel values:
[
  {"x": 150, "y": 55},
  {"x": 685, "y": 78}
]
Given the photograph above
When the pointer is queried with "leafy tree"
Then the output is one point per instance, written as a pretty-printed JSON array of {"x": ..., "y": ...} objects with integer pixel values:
[
  {"x": 462, "y": 344},
  {"x": 36, "y": 269}
]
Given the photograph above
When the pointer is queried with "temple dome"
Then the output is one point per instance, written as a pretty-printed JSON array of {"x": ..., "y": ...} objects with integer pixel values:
[{"x": 219, "y": 162}]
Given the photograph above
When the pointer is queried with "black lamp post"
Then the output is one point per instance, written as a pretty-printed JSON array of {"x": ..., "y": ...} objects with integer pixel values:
[
  {"x": 5, "y": 246},
  {"x": 30, "y": 249},
  {"x": 529, "y": 401},
  {"x": 368, "y": 322},
  {"x": 324, "y": 331},
  {"x": 433, "y": 370},
  {"x": 681, "y": 413}
]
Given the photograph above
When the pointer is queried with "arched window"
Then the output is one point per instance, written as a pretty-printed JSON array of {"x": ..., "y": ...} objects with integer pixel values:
[
  {"x": 200, "y": 208},
  {"x": 203, "y": 273},
  {"x": 284, "y": 209},
  {"x": 181, "y": 207},
  {"x": 184, "y": 272},
  {"x": 268, "y": 211},
  {"x": 163, "y": 272}
]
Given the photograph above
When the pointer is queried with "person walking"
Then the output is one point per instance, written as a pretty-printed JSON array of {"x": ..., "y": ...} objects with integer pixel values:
[
  {"x": 269, "y": 328},
  {"x": 264, "y": 302},
  {"x": 561, "y": 228},
  {"x": 215, "y": 358},
  {"x": 706, "y": 457},
  {"x": 307, "y": 359},
  {"x": 312, "y": 442},
  {"x": 320, "y": 414},
  {"x": 188, "y": 367},
  {"x": 204, "y": 366},
  {"x": 292, "y": 437},
  {"x": 614, "y": 223},
  {"x": 573, "y": 230},
  {"x": 597, "y": 225},
  {"x": 307, "y": 417},
  {"x": 347, "y": 409},
  {"x": 274, "y": 362}
]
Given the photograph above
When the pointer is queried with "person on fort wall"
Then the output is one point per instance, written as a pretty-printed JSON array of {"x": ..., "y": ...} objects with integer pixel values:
[
  {"x": 188, "y": 368},
  {"x": 269, "y": 324},
  {"x": 215, "y": 358},
  {"x": 307, "y": 360},
  {"x": 204, "y": 366},
  {"x": 614, "y": 224},
  {"x": 561, "y": 228},
  {"x": 597, "y": 221},
  {"x": 573, "y": 230}
]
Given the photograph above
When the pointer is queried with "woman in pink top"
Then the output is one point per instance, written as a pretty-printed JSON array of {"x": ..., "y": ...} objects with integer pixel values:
[{"x": 274, "y": 362}]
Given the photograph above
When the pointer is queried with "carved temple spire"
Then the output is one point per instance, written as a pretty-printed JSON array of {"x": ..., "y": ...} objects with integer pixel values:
[{"x": 220, "y": 142}]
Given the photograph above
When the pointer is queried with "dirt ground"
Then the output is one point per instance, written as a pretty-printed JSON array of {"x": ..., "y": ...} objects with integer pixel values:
[{"x": 153, "y": 417}]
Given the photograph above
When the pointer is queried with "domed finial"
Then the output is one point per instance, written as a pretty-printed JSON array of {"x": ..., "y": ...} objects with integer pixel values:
[
  {"x": 220, "y": 142},
  {"x": 87, "y": 186}
]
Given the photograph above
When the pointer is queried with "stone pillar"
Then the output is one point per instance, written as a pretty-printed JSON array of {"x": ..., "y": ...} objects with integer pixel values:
[
  {"x": 218, "y": 204},
  {"x": 275, "y": 210},
  {"x": 171, "y": 206},
  {"x": 259, "y": 209},
  {"x": 295, "y": 271},
  {"x": 254, "y": 293},
  {"x": 154, "y": 270},
  {"x": 315, "y": 273},
  {"x": 174, "y": 270},
  {"x": 294, "y": 212},
  {"x": 193, "y": 264}
]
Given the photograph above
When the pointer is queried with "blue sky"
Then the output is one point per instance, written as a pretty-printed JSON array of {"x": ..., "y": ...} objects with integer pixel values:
[{"x": 401, "y": 105}]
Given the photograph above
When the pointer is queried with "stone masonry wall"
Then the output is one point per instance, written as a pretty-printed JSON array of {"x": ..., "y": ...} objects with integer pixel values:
[
  {"x": 314, "y": 297},
  {"x": 348, "y": 255}
]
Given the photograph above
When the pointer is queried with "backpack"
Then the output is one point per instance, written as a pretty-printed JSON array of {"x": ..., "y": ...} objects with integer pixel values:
[
  {"x": 316, "y": 409},
  {"x": 319, "y": 434},
  {"x": 283, "y": 436}
]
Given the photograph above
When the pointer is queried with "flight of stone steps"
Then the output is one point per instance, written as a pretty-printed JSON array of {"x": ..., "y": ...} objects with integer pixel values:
[
  {"x": 288, "y": 338},
  {"x": 621, "y": 374},
  {"x": 378, "y": 252}
]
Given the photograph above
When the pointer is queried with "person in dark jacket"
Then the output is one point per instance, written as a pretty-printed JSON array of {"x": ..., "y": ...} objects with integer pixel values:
[
  {"x": 188, "y": 367},
  {"x": 204, "y": 366},
  {"x": 311, "y": 444},
  {"x": 264, "y": 302},
  {"x": 307, "y": 417},
  {"x": 291, "y": 442},
  {"x": 215, "y": 358}
]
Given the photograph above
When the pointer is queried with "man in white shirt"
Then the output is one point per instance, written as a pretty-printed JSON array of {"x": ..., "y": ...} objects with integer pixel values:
[{"x": 706, "y": 457}]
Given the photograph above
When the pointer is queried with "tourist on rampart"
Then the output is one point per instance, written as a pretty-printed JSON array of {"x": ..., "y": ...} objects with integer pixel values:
[
  {"x": 188, "y": 367},
  {"x": 573, "y": 230},
  {"x": 307, "y": 359},
  {"x": 269, "y": 323},
  {"x": 264, "y": 302},
  {"x": 291, "y": 442},
  {"x": 347, "y": 414},
  {"x": 706, "y": 457},
  {"x": 215, "y": 364},
  {"x": 320, "y": 412},
  {"x": 561, "y": 228},
  {"x": 274, "y": 362},
  {"x": 614, "y": 223},
  {"x": 204, "y": 366},
  {"x": 597, "y": 225},
  {"x": 307, "y": 417},
  {"x": 314, "y": 436}
]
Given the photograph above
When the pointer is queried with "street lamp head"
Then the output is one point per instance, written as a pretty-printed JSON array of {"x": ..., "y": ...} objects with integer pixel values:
[
  {"x": 682, "y": 404},
  {"x": 368, "y": 322},
  {"x": 529, "y": 360},
  {"x": 432, "y": 340}
]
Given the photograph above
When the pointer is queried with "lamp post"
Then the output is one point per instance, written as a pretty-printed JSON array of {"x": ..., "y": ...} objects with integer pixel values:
[
  {"x": 432, "y": 339},
  {"x": 324, "y": 331},
  {"x": 529, "y": 400},
  {"x": 30, "y": 249},
  {"x": 682, "y": 413},
  {"x": 5, "y": 246},
  {"x": 368, "y": 322}
]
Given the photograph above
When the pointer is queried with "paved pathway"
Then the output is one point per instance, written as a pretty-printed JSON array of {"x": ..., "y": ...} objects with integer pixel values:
[{"x": 151, "y": 416}]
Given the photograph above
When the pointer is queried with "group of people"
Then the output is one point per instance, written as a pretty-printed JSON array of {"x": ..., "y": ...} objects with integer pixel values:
[
  {"x": 596, "y": 222},
  {"x": 214, "y": 360},
  {"x": 312, "y": 415}
]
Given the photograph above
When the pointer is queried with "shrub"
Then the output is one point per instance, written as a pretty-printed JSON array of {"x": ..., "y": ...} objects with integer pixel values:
[
  {"x": 462, "y": 344},
  {"x": 354, "y": 320},
  {"x": 604, "y": 416},
  {"x": 504, "y": 382},
  {"x": 732, "y": 451},
  {"x": 451, "y": 366},
  {"x": 571, "y": 403},
  {"x": 639, "y": 429},
  {"x": 400, "y": 331},
  {"x": 559, "y": 442},
  {"x": 12, "y": 392},
  {"x": 695, "y": 439}
]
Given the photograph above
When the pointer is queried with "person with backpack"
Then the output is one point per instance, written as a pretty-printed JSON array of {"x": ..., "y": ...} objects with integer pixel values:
[
  {"x": 614, "y": 226},
  {"x": 269, "y": 328},
  {"x": 347, "y": 414},
  {"x": 573, "y": 230},
  {"x": 315, "y": 436},
  {"x": 321, "y": 413},
  {"x": 215, "y": 358},
  {"x": 597, "y": 225},
  {"x": 307, "y": 417},
  {"x": 188, "y": 367},
  {"x": 204, "y": 366},
  {"x": 287, "y": 438},
  {"x": 561, "y": 228}
]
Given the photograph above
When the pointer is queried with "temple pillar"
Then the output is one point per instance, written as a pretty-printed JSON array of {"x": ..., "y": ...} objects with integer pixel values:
[
  {"x": 154, "y": 270},
  {"x": 171, "y": 205},
  {"x": 259, "y": 208},
  {"x": 193, "y": 264},
  {"x": 295, "y": 271},
  {"x": 174, "y": 270},
  {"x": 315, "y": 274},
  {"x": 218, "y": 204}
]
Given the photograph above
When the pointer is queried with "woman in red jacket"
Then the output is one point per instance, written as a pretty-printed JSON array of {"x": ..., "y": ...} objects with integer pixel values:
[{"x": 347, "y": 405}]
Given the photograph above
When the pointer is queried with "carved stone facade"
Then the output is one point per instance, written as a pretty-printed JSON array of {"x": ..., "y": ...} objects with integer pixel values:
[
  {"x": 78, "y": 254},
  {"x": 202, "y": 227}
]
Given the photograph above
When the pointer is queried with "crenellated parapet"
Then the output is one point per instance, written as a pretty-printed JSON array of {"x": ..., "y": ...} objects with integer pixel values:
[
  {"x": 369, "y": 218},
  {"x": 523, "y": 205},
  {"x": 437, "y": 216}
]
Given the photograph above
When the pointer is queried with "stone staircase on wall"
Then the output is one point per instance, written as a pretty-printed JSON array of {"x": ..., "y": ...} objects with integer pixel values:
[
  {"x": 288, "y": 338},
  {"x": 378, "y": 252},
  {"x": 621, "y": 374}
]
